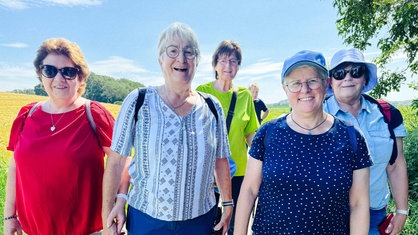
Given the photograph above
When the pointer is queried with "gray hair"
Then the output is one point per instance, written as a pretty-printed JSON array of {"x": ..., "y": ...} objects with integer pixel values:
[{"x": 181, "y": 31}]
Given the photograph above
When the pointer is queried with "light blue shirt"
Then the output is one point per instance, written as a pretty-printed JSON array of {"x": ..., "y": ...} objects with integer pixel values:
[
  {"x": 375, "y": 129},
  {"x": 172, "y": 171}
]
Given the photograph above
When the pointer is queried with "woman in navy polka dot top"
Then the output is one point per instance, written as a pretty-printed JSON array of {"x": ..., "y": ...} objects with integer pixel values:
[{"x": 309, "y": 169}]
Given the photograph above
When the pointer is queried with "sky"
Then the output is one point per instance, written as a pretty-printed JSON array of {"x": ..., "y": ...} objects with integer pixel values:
[{"x": 119, "y": 37}]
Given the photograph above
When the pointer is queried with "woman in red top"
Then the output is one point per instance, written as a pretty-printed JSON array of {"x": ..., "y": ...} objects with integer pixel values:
[{"x": 55, "y": 174}]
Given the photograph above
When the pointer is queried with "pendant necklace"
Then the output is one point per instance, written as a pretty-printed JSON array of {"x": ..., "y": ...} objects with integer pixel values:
[
  {"x": 308, "y": 129},
  {"x": 53, "y": 127}
]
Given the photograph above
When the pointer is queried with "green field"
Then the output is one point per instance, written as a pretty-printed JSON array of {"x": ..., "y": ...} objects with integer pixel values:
[{"x": 10, "y": 104}]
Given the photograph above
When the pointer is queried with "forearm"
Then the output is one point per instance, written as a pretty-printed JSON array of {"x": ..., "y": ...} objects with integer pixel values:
[
  {"x": 243, "y": 211},
  {"x": 223, "y": 179},
  {"x": 398, "y": 178},
  {"x": 265, "y": 114},
  {"x": 359, "y": 219},
  {"x": 10, "y": 204},
  {"x": 111, "y": 181}
]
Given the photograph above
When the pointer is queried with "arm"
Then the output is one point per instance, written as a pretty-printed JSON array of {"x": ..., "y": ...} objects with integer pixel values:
[
  {"x": 265, "y": 114},
  {"x": 111, "y": 182},
  {"x": 223, "y": 180},
  {"x": 11, "y": 226},
  {"x": 360, "y": 202},
  {"x": 398, "y": 179},
  {"x": 249, "y": 138},
  {"x": 247, "y": 196}
]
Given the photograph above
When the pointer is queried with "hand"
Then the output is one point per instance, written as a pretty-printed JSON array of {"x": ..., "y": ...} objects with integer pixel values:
[
  {"x": 116, "y": 219},
  {"x": 225, "y": 220},
  {"x": 12, "y": 226},
  {"x": 396, "y": 224}
]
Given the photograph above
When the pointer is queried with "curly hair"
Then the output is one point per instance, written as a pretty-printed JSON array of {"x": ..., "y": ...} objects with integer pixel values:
[{"x": 61, "y": 46}]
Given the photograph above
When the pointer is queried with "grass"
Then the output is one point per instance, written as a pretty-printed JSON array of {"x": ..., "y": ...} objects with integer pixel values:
[{"x": 10, "y": 104}]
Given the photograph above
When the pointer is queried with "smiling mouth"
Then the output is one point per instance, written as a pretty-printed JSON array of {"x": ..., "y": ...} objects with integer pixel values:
[{"x": 180, "y": 70}]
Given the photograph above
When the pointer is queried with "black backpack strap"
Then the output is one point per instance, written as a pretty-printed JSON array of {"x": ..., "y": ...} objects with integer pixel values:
[
  {"x": 139, "y": 101},
  {"x": 231, "y": 109},
  {"x": 210, "y": 103}
]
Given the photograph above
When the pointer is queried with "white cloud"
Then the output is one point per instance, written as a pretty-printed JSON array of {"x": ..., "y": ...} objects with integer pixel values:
[
  {"x": 17, "y": 76},
  {"x": 23, "y": 4},
  {"x": 119, "y": 67},
  {"x": 75, "y": 2},
  {"x": 13, "y": 4},
  {"x": 15, "y": 45}
]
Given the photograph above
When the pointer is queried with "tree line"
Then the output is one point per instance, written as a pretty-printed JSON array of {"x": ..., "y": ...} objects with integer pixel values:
[{"x": 99, "y": 88}]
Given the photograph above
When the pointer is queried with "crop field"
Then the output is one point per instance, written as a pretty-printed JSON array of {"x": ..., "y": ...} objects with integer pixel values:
[{"x": 10, "y": 104}]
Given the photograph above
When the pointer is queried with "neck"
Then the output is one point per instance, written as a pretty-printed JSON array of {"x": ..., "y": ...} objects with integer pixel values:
[
  {"x": 63, "y": 105},
  {"x": 222, "y": 85},
  {"x": 350, "y": 105}
]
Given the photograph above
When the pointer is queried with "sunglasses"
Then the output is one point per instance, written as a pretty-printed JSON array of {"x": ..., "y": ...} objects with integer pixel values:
[
  {"x": 68, "y": 73},
  {"x": 356, "y": 71}
]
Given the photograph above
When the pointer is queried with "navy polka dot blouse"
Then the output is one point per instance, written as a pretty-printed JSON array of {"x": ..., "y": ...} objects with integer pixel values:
[{"x": 305, "y": 178}]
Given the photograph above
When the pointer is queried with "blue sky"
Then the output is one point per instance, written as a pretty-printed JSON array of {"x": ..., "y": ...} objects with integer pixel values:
[{"x": 119, "y": 37}]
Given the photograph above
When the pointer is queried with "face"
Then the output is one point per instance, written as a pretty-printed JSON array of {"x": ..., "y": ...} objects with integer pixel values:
[
  {"x": 312, "y": 89},
  {"x": 254, "y": 92},
  {"x": 180, "y": 68},
  {"x": 227, "y": 67},
  {"x": 57, "y": 86},
  {"x": 349, "y": 87}
]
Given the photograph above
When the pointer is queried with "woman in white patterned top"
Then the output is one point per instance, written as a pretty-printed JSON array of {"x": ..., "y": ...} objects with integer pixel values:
[{"x": 179, "y": 146}]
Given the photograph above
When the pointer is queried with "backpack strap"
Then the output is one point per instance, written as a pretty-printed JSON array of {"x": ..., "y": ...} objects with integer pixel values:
[
  {"x": 392, "y": 117},
  {"x": 385, "y": 109},
  {"x": 231, "y": 109},
  {"x": 210, "y": 103},
  {"x": 90, "y": 117},
  {"x": 34, "y": 107},
  {"x": 139, "y": 101}
]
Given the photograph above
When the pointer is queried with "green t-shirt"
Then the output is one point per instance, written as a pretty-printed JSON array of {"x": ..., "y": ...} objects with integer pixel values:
[{"x": 243, "y": 122}]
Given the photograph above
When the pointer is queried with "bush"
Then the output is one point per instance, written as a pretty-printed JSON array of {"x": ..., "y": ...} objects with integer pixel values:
[{"x": 411, "y": 156}]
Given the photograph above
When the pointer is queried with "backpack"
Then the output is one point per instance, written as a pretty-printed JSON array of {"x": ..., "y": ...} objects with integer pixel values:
[
  {"x": 392, "y": 116},
  {"x": 143, "y": 91}
]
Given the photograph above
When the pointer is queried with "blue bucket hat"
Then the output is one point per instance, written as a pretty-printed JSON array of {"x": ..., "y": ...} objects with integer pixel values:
[
  {"x": 354, "y": 55},
  {"x": 303, "y": 58}
]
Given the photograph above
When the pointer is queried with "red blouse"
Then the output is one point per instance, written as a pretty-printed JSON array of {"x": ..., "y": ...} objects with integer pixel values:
[{"x": 59, "y": 174}]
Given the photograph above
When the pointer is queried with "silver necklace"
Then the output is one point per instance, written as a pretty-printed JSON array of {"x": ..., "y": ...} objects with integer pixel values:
[
  {"x": 308, "y": 129},
  {"x": 53, "y": 127},
  {"x": 170, "y": 104}
]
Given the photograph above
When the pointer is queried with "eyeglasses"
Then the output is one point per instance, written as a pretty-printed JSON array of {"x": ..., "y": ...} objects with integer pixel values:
[
  {"x": 313, "y": 84},
  {"x": 68, "y": 73},
  {"x": 174, "y": 51},
  {"x": 233, "y": 62},
  {"x": 356, "y": 72}
]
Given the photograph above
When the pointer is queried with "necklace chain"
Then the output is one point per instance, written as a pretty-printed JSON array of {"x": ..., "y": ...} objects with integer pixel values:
[
  {"x": 170, "y": 104},
  {"x": 53, "y": 127},
  {"x": 308, "y": 129}
]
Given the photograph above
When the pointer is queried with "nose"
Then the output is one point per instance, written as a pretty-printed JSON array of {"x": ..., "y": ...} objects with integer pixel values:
[
  {"x": 305, "y": 87},
  {"x": 182, "y": 57}
]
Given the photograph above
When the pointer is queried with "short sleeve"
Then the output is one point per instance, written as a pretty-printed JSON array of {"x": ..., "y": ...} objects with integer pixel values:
[
  {"x": 257, "y": 149},
  {"x": 362, "y": 157},
  {"x": 17, "y": 125},
  {"x": 104, "y": 123}
]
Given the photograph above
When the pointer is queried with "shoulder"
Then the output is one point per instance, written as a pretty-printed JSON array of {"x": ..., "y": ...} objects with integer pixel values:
[{"x": 205, "y": 87}]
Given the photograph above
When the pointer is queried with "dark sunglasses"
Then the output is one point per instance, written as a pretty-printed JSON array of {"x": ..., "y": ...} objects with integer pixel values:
[
  {"x": 356, "y": 71},
  {"x": 49, "y": 71}
]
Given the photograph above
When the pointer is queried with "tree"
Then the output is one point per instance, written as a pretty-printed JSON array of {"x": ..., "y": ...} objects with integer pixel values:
[{"x": 394, "y": 23}]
